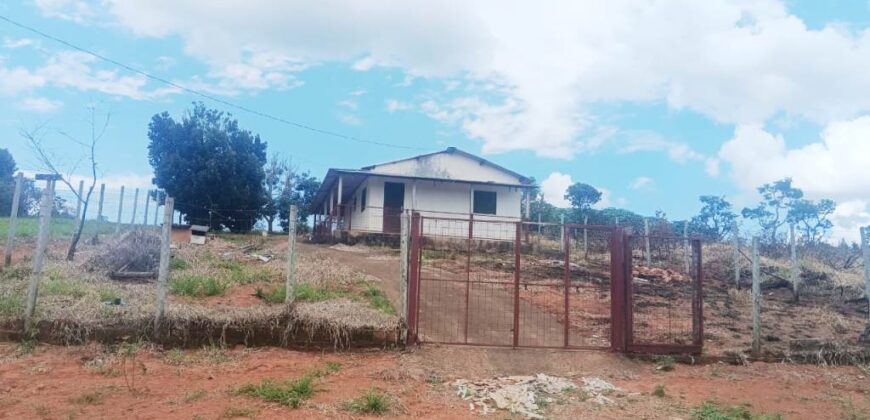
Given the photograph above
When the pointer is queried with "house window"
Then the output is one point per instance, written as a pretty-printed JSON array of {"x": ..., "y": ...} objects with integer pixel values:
[
  {"x": 484, "y": 202},
  {"x": 362, "y": 200}
]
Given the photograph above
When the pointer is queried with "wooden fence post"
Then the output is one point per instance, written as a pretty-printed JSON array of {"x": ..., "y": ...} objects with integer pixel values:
[
  {"x": 795, "y": 270},
  {"x": 135, "y": 206},
  {"x": 687, "y": 267},
  {"x": 147, "y": 205},
  {"x": 735, "y": 253},
  {"x": 156, "y": 206},
  {"x": 79, "y": 199},
  {"x": 404, "y": 258},
  {"x": 865, "y": 241},
  {"x": 290, "y": 288},
  {"x": 562, "y": 233},
  {"x": 756, "y": 301},
  {"x": 45, "y": 210},
  {"x": 120, "y": 209},
  {"x": 585, "y": 237},
  {"x": 646, "y": 242},
  {"x": 163, "y": 270},
  {"x": 13, "y": 217},
  {"x": 100, "y": 206}
]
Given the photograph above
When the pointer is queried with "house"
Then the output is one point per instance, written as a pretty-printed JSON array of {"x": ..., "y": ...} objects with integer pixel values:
[{"x": 445, "y": 187}]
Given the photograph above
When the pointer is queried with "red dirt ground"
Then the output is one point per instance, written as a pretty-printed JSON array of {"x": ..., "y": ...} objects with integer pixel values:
[{"x": 62, "y": 382}]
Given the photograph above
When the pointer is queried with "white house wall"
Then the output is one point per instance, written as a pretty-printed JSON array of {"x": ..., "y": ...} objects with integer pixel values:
[{"x": 447, "y": 166}]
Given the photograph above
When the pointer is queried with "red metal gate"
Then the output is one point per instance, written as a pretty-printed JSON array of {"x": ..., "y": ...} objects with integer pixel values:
[{"x": 519, "y": 284}]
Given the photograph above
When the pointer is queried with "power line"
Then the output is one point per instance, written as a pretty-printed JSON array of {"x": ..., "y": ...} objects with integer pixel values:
[{"x": 203, "y": 94}]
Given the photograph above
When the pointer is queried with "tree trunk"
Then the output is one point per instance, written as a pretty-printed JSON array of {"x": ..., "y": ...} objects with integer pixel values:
[{"x": 71, "y": 252}]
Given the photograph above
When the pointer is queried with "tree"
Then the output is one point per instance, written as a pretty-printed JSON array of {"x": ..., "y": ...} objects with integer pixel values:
[
  {"x": 210, "y": 165},
  {"x": 715, "y": 219},
  {"x": 52, "y": 164},
  {"x": 582, "y": 196},
  {"x": 299, "y": 189},
  {"x": 273, "y": 184},
  {"x": 811, "y": 218},
  {"x": 772, "y": 213},
  {"x": 29, "y": 195}
]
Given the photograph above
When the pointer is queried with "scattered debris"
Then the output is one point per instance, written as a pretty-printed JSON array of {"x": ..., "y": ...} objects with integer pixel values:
[
  {"x": 516, "y": 394},
  {"x": 135, "y": 254},
  {"x": 597, "y": 389},
  {"x": 263, "y": 258}
]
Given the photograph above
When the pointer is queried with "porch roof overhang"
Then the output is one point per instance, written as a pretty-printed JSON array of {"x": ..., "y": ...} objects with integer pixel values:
[{"x": 352, "y": 178}]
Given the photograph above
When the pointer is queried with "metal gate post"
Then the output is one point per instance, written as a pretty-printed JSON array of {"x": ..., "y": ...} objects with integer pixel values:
[
  {"x": 414, "y": 283},
  {"x": 517, "y": 251},
  {"x": 698, "y": 296},
  {"x": 468, "y": 274},
  {"x": 617, "y": 290},
  {"x": 565, "y": 246}
]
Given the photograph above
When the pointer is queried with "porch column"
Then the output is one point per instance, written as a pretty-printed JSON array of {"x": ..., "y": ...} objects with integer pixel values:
[
  {"x": 528, "y": 197},
  {"x": 331, "y": 201},
  {"x": 470, "y": 199}
]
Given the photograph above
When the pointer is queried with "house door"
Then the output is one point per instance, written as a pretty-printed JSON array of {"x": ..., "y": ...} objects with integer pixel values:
[{"x": 394, "y": 202}]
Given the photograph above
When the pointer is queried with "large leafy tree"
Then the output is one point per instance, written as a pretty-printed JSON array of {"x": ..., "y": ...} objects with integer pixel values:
[
  {"x": 299, "y": 189},
  {"x": 211, "y": 166},
  {"x": 715, "y": 219},
  {"x": 771, "y": 214},
  {"x": 582, "y": 196},
  {"x": 29, "y": 198},
  {"x": 811, "y": 218}
]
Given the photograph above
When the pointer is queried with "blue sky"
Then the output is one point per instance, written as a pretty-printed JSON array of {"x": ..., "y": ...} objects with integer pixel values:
[{"x": 655, "y": 103}]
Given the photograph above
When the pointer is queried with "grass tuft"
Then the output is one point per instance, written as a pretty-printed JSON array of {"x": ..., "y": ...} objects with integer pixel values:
[
  {"x": 197, "y": 286},
  {"x": 372, "y": 402},
  {"x": 290, "y": 393},
  {"x": 378, "y": 300},
  {"x": 713, "y": 411},
  {"x": 659, "y": 391},
  {"x": 273, "y": 295}
]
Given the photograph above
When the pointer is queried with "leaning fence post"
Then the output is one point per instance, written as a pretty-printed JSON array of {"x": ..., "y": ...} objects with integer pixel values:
[
  {"x": 100, "y": 206},
  {"x": 45, "y": 210},
  {"x": 686, "y": 247},
  {"x": 290, "y": 288},
  {"x": 865, "y": 241},
  {"x": 163, "y": 269},
  {"x": 646, "y": 242},
  {"x": 120, "y": 209},
  {"x": 135, "y": 206},
  {"x": 13, "y": 217},
  {"x": 735, "y": 253},
  {"x": 147, "y": 205},
  {"x": 79, "y": 199},
  {"x": 795, "y": 270},
  {"x": 756, "y": 301},
  {"x": 404, "y": 242}
]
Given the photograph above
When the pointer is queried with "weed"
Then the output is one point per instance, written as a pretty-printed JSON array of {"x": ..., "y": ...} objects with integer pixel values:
[
  {"x": 11, "y": 304},
  {"x": 378, "y": 300},
  {"x": 274, "y": 295},
  {"x": 195, "y": 395},
  {"x": 333, "y": 367},
  {"x": 197, "y": 286},
  {"x": 62, "y": 287},
  {"x": 108, "y": 294},
  {"x": 89, "y": 398},
  {"x": 177, "y": 263},
  {"x": 372, "y": 402},
  {"x": 237, "y": 412},
  {"x": 215, "y": 354},
  {"x": 308, "y": 293},
  {"x": 176, "y": 357},
  {"x": 290, "y": 393},
  {"x": 713, "y": 411},
  {"x": 666, "y": 363},
  {"x": 659, "y": 391}
]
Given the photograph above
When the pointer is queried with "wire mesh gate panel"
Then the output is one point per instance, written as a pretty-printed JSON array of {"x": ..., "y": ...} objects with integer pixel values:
[{"x": 496, "y": 283}]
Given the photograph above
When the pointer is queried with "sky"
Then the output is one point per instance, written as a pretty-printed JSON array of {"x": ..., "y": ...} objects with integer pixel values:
[{"x": 653, "y": 102}]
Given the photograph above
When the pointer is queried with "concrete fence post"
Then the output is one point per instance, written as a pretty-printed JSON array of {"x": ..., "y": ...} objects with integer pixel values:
[
  {"x": 404, "y": 259},
  {"x": 163, "y": 268},
  {"x": 865, "y": 241},
  {"x": 13, "y": 218},
  {"x": 585, "y": 237},
  {"x": 756, "y": 300},
  {"x": 794, "y": 273},
  {"x": 80, "y": 199},
  {"x": 646, "y": 242},
  {"x": 735, "y": 253},
  {"x": 45, "y": 210},
  {"x": 120, "y": 209},
  {"x": 100, "y": 205},
  {"x": 290, "y": 287},
  {"x": 135, "y": 206},
  {"x": 156, "y": 206},
  {"x": 147, "y": 205}
]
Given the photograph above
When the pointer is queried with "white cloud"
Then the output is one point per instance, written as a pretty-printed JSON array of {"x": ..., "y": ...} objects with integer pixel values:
[
  {"x": 554, "y": 187},
  {"x": 641, "y": 182},
  {"x": 349, "y": 119},
  {"x": 40, "y": 104},
  {"x": 13, "y": 43},
  {"x": 74, "y": 10},
  {"x": 848, "y": 218},
  {"x": 834, "y": 167},
  {"x": 651, "y": 142},
  {"x": 394, "y": 105},
  {"x": 352, "y": 105}
]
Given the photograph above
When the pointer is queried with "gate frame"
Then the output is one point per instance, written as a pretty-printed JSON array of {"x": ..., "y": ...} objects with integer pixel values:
[{"x": 621, "y": 292}]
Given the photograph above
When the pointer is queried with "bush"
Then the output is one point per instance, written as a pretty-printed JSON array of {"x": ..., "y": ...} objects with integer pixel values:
[
  {"x": 274, "y": 295},
  {"x": 197, "y": 286},
  {"x": 372, "y": 402},
  {"x": 290, "y": 393}
]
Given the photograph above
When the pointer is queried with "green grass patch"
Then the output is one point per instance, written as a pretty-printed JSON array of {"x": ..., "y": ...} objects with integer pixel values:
[
  {"x": 11, "y": 305},
  {"x": 178, "y": 263},
  {"x": 659, "y": 391},
  {"x": 308, "y": 293},
  {"x": 273, "y": 295},
  {"x": 372, "y": 402},
  {"x": 197, "y": 286},
  {"x": 713, "y": 411},
  {"x": 60, "y": 227},
  {"x": 378, "y": 300},
  {"x": 62, "y": 287},
  {"x": 290, "y": 393}
]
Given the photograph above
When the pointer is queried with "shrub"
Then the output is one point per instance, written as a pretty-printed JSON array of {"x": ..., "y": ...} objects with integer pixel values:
[
  {"x": 274, "y": 295},
  {"x": 372, "y": 402}
]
